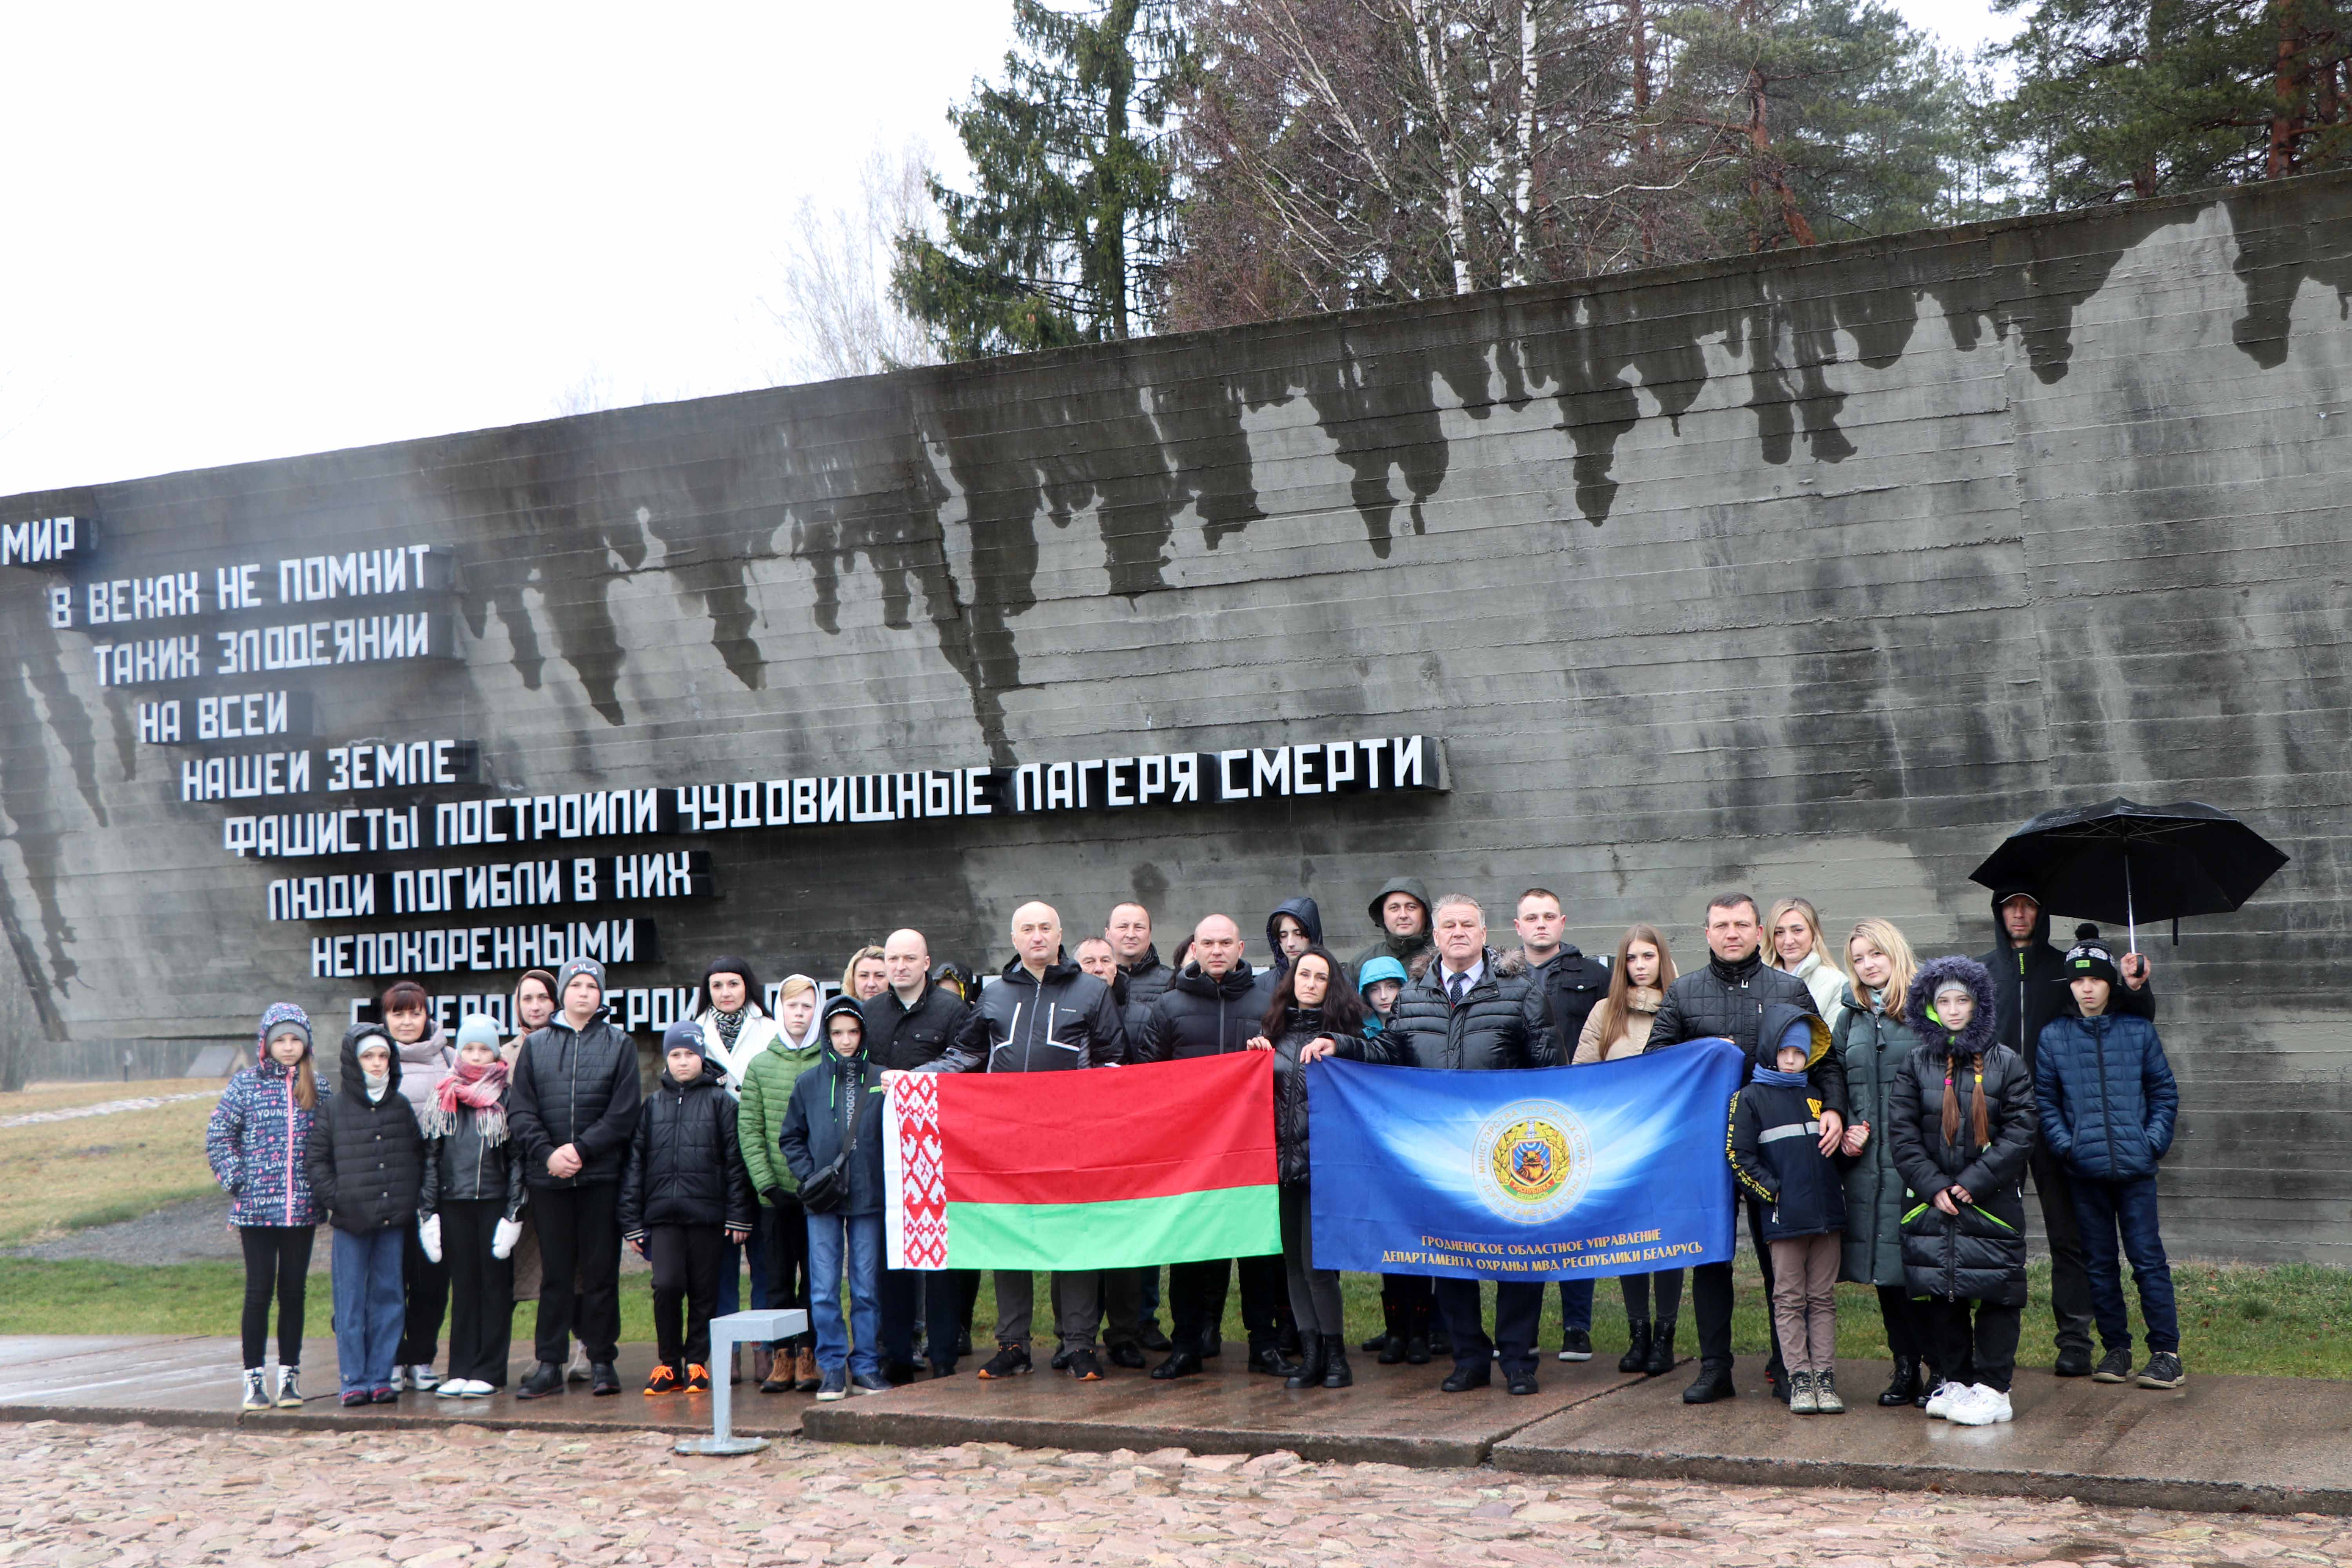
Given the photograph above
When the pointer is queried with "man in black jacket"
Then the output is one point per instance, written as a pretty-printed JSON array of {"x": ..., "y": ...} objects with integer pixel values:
[
  {"x": 1212, "y": 1008},
  {"x": 1480, "y": 1010},
  {"x": 2029, "y": 989},
  {"x": 1400, "y": 912},
  {"x": 910, "y": 1025},
  {"x": 1726, "y": 1000},
  {"x": 572, "y": 1109},
  {"x": 1572, "y": 986},
  {"x": 1044, "y": 1014},
  {"x": 1143, "y": 977}
]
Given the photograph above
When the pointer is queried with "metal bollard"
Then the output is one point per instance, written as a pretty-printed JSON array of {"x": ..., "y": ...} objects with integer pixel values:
[{"x": 726, "y": 1333}]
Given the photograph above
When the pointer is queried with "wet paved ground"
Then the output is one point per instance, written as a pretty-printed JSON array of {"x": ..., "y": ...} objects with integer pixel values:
[{"x": 128, "y": 1495}]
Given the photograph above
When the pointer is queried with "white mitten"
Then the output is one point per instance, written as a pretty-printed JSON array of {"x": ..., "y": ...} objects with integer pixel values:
[
  {"x": 428, "y": 1235},
  {"x": 503, "y": 1237}
]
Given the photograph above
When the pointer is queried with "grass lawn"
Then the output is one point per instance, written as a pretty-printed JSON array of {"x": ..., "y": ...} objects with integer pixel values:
[
  {"x": 2287, "y": 1322},
  {"x": 57, "y": 1177}
]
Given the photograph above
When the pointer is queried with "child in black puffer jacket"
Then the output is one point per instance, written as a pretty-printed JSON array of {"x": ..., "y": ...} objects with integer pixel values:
[
  {"x": 685, "y": 1197},
  {"x": 1960, "y": 1124},
  {"x": 1776, "y": 1150}
]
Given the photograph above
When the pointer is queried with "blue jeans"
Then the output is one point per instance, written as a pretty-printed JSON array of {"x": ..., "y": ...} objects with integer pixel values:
[
  {"x": 730, "y": 1267},
  {"x": 2102, "y": 1209},
  {"x": 860, "y": 1237},
  {"x": 368, "y": 1309},
  {"x": 1576, "y": 1305}
]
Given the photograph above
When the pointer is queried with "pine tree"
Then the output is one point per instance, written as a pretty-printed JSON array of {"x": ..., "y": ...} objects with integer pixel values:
[
  {"x": 1065, "y": 237},
  {"x": 2136, "y": 98}
]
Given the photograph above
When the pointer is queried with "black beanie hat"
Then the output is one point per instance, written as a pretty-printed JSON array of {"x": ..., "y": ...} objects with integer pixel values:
[{"x": 2090, "y": 956}]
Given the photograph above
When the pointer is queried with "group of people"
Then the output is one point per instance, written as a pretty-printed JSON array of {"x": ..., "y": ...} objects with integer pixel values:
[{"x": 1889, "y": 1112}]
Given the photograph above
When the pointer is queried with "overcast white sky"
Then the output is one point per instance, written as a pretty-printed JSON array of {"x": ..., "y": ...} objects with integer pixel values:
[{"x": 244, "y": 231}]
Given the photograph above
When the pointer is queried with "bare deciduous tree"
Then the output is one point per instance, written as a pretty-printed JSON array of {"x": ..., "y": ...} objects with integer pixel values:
[{"x": 837, "y": 309}]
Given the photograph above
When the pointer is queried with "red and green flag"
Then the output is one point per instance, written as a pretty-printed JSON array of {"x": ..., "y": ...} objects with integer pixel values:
[{"x": 1113, "y": 1168}]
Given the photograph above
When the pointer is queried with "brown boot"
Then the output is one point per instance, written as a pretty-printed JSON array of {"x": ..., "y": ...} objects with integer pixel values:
[
  {"x": 804, "y": 1374},
  {"x": 775, "y": 1370}
]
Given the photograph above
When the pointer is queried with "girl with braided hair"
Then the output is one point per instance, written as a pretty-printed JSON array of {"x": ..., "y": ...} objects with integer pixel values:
[{"x": 1960, "y": 1124}]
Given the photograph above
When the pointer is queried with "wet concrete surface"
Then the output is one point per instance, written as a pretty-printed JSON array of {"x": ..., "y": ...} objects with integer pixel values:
[
  {"x": 2275, "y": 1445},
  {"x": 2265, "y": 1444}
]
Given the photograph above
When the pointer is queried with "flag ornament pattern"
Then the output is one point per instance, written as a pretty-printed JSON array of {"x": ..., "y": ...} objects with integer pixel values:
[
  {"x": 918, "y": 1184},
  {"x": 1164, "y": 1163}
]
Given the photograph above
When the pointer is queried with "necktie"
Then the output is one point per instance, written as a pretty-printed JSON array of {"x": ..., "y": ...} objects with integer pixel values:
[{"x": 1454, "y": 988}]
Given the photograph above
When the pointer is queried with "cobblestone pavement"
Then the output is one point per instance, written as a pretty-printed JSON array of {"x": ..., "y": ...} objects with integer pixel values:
[{"x": 86, "y": 1496}]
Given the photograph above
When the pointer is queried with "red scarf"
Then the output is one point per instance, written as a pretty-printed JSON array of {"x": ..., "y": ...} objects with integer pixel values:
[{"x": 483, "y": 1087}]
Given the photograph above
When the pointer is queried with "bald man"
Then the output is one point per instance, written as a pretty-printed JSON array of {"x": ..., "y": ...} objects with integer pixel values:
[
  {"x": 910, "y": 1025},
  {"x": 1213, "y": 1007},
  {"x": 1044, "y": 1014}
]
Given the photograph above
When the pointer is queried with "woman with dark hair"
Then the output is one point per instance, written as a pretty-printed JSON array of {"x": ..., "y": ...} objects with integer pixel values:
[
  {"x": 735, "y": 1029},
  {"x": 1620, "y": 1028},
  {"x": 426, "y": 1058},
  {"x": 1314, "y": 1013}
]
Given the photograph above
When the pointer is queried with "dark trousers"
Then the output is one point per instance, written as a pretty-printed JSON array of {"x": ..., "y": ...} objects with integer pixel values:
[
  {"x": 2070, "y": 1279},
  {"x": 1640, "y": 1290},
  {"x": 1518, "y": 1305},
  {"x": 1992, "y": 1341},
  {"x": 481, "y": 1292},
  {"x": 686, "y": 1260},
  {"x": 579, "y": 1233},
  {"x": 934, "y": 1295},
  {"x": 1122, "y": 1305},
  {"x": 2104, "y": 1209},
  {"x": 1711, "y": 1297},
  {"x": 424, "y": 1296},
  {"x": 1907, "y": 1331},
  {"x": 1196, "y": 1300},
  {"x": 277, "y": 1262},
  {"x": 788, "y": 1259}
]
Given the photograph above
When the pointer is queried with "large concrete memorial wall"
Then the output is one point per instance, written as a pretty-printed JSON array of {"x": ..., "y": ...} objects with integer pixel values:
[{"x": 1814, "y": 573}]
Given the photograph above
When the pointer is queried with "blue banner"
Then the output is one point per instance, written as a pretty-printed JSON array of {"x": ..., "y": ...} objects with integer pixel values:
[{"x": 1546, "y": 1173}]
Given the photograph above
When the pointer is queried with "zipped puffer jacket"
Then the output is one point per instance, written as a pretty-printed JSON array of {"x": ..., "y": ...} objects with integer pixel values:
[
  {"x": 259, "y": 1143},
  {"x": 461, "y": 1166},
  {"x": 576, "y": 1087},
  {"x": 366, "y": 1158},
  {"x": 2106, "y": 1097},
  {"x": 1503, "y": 1022},
  {"x": 1978, "y": 1254},
  {"x": 1201, "y": 1015},
  {"x": 1303, "y": 1027},
  {"x": 1070, "y": 1019},
  {"x": 1873, "y": 1048},
  {"x": 685, "y": 1165}
]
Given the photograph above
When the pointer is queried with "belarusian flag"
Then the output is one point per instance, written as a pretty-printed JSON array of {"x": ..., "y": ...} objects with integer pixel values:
[{"x": 1166, "y": 1163}]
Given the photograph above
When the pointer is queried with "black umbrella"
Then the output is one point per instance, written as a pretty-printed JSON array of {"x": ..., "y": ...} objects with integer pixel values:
[{"x": 2120, "y": 860}]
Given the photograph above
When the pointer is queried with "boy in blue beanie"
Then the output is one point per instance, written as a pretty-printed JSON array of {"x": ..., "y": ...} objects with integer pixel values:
[{"x": 1776, "y": 1151}]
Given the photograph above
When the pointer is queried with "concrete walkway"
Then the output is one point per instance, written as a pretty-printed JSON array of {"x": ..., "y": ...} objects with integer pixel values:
[{"x": 2226, "y": 1444}]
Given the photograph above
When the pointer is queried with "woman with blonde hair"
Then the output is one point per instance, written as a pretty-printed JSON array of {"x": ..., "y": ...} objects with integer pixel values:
[
  {"x": 1617, "y": 1028},
  {"x": 1872, "y": 1041},
  {"x": 865, "y": 977},
  {"x": 1792, "y": 940}
]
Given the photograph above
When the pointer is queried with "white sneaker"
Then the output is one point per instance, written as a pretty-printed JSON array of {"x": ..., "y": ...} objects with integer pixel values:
[
  {"x": 1940, "y": 1402},
  {"x": 454, "y": 1388},
  {"x": 1980, "y": 1406},
  {"x": 478, "y": 1389},
  {"x": 421, "y": 1378}
]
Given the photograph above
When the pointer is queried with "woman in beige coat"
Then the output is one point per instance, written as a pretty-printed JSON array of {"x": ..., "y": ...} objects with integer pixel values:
[{"x": 1618, "y": 1028}]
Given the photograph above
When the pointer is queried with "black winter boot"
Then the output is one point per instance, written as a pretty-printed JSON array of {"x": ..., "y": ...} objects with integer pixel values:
[
  {"x": 1336, "y": 1371},
  {"x": 1312, "y": 1354},
  {"x": 1420, "y": 1335},
  {"x": 1903, "y": 1387},
  {"x": 1712, "y": 1383},
  {"x": 1389, "y": 1341},
  {"x": 1662, "y": 1348},
  {"x": 1637, "y": 1354}
]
